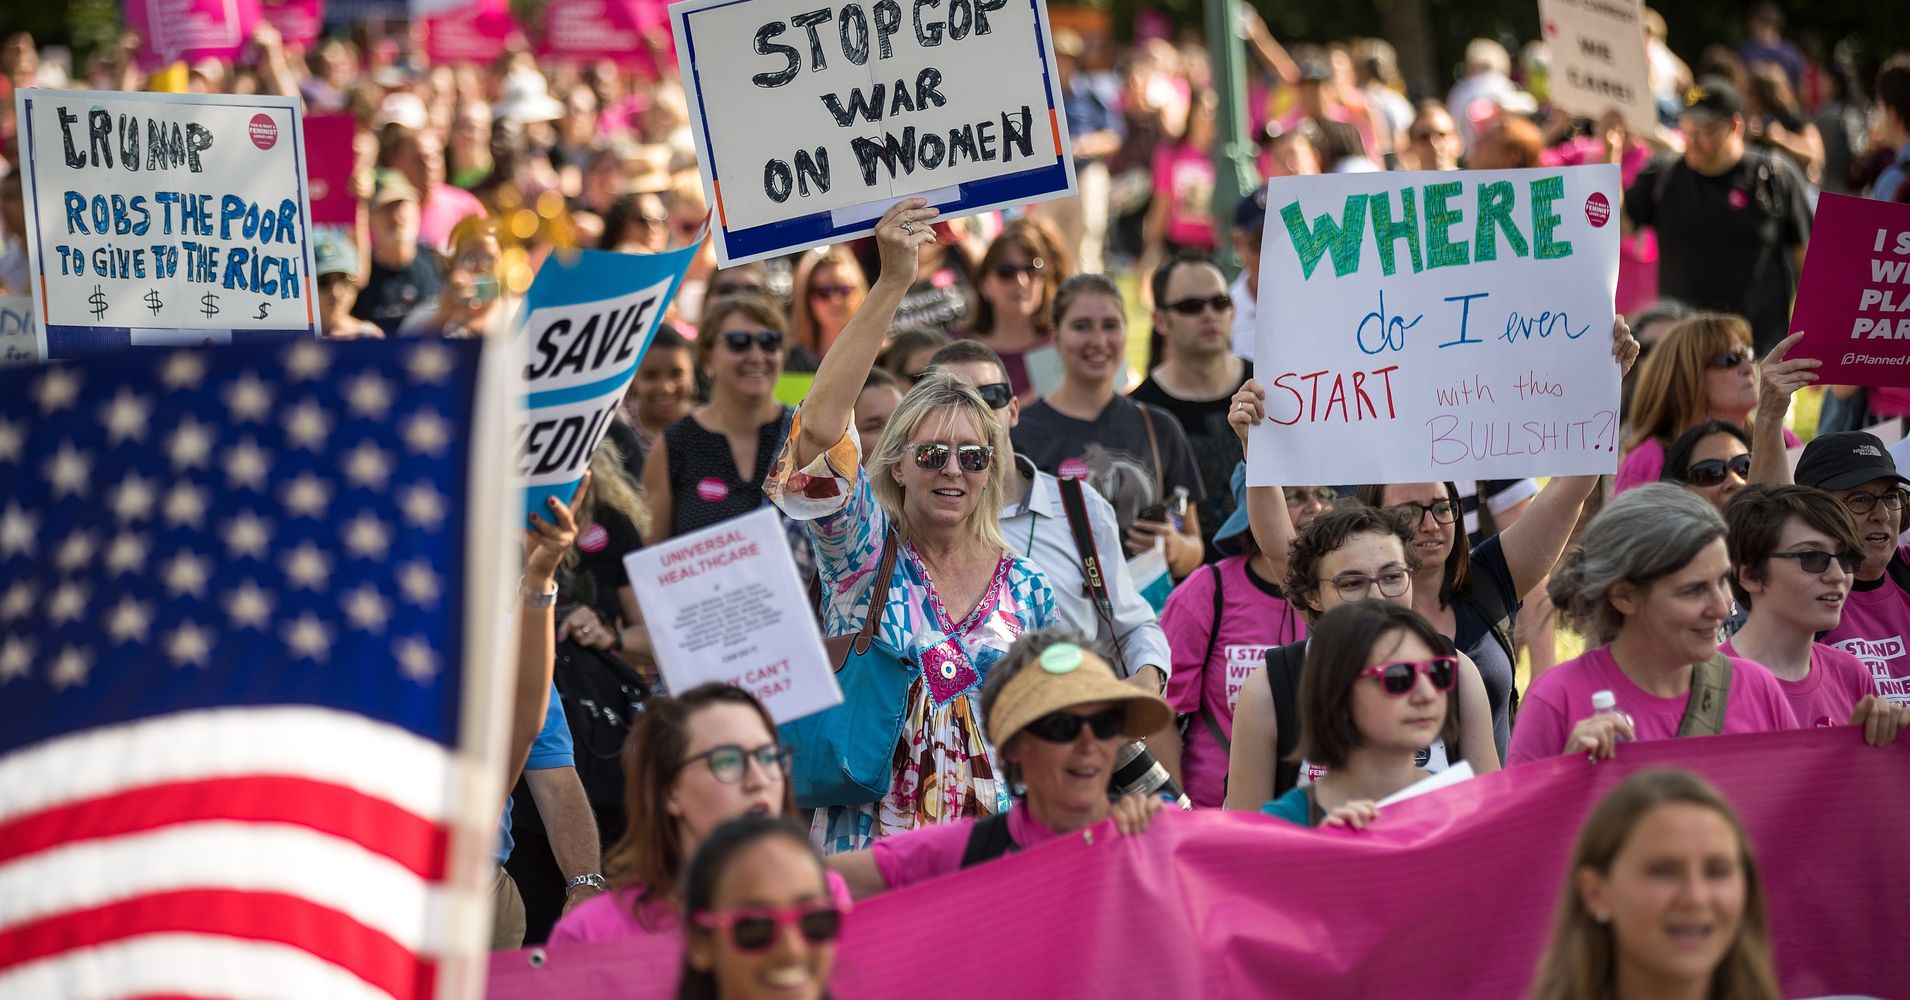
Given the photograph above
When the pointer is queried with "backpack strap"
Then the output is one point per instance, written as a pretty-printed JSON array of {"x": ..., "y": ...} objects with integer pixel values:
[
  {"x": 1710, "y": 690},
  {"x": 987, "y": 840},
  {"x": 1283, "y": 675},
  {"x": 1074, "y": 502},
  {"x": 1213, "y": 636},
  {"x": 1154, "y": 451}
]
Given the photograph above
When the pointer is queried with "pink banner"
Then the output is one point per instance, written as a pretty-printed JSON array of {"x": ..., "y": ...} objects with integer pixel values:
[
  {"x": 589, "y": 30},
  {"x": 1452, "y": 895},
  {"x": 328, "y": 168},
  {"x": 298, "y": 21},
  {"x": 191, "y": 29},
  {"x": 1853, "y": 299},
  {"x": 477, "y": 35}
]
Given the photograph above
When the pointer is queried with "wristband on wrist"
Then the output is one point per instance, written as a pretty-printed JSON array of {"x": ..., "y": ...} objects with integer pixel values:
[
  {"x": 591, "y": 879},
  {"x": 537, "y": 598}
]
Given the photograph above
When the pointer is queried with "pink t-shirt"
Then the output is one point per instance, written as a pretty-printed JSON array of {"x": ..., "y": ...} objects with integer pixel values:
[
  {"x": 441, "y": 212},
  {"x": 1185, "y": 178},
  {"x": 1645, "y": 463},
  {"x": 1637, "y": 253},
  {"x": 930, "y": 851},
  {"x": 1824, "y": 698},
  {"x": 1252, "y": 618},
  {"x": 1563, "y": 695},
  {"x": 612, "y": 915},
  {"x": 1875, "y": 626}
]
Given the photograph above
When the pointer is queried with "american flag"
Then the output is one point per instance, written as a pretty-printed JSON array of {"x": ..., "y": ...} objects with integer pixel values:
[{"x": 231, "y": 638}]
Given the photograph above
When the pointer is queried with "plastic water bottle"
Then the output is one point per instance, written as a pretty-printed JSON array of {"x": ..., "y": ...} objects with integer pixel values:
[{"x": 1606, "y": 703}]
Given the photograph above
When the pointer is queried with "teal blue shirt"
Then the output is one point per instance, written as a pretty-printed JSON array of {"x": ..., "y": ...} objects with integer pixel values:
[{"x": 1292, "y": 807}]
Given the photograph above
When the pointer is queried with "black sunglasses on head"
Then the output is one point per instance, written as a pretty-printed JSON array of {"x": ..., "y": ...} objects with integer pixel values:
[
  {"x": 1712, "y": 471},
  {"x": 738, "y": 341},
  {"x": 1192, "y": 307},
  {"x": 1064, "y": 727}
]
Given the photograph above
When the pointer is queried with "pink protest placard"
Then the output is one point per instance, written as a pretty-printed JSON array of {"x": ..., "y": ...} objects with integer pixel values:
[
  {"x": 328, "y": 169},
  {"x": 477, "y": 35},
  {"x": 191, "y": 29},
  {"x": 589, "y": 30},
  {"x": 298, "y": 21},
  {"x": 1449, "y": 895},
  {"x": 1853, "y": 299}
]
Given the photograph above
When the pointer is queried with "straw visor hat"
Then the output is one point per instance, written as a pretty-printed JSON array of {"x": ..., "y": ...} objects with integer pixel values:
[{"x": 1065, "y": 675}]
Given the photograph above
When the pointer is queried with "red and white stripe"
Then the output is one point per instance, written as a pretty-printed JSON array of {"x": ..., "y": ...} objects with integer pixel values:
[{"x": 238, "y": 852}]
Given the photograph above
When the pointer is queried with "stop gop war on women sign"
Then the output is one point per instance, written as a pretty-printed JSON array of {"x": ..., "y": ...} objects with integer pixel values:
[
  {"x": 812, "y": 118},
  {"x": 1438, "y": 326},
  {"x": 165, "y": 218}
]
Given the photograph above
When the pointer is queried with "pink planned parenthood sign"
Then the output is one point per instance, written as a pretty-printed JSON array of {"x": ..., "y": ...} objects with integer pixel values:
[
  {"x": 1853, "y": 300},
  {"x": 1451, "y": 895}
]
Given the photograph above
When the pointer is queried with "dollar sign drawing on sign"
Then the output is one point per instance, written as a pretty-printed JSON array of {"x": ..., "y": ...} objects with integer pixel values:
[
  {"x": 262, "y": 306},
  {"x": 209, "y": 304},
  {"x": 98, "y": 301},
  {"x": 152, "y": 300}
]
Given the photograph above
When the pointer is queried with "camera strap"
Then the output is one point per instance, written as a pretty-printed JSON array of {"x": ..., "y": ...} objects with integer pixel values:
[{"x": 1074, "y": 502}]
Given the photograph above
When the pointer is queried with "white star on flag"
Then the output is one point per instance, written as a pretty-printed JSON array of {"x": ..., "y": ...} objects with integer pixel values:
[
  {"x": 186, "y": 573},
  {"x": 369, "y": 396},
  {"x": 247, "y": 464},
  {"x": 57, "y": 389},
  {"x": 419, "y": 584},
  {"x": 249, "y": 399},
  {"x": 16, "y": 658},
  {"x": 368, "y": 466},
  {"x": 250, "y": 605},
  {"x": 308, "y": 637},
  {"x": 427, "y": 433},
  {"x": 186, "y": 504},
  {"x": 306, "y": 425},
  {"x": 17, "y": 601},
  {"x": 11, "y": 438},
  {"x": 69, "y": 669},
  {"x": 125, "y": 417},
  {"x": 423, "y": 506},
  {"x": 190, "y": 445},
  {"x": 189, "y": 644},
  {"x": 248, "y": 534},
  {"x": 367, "y": 608},
  {"x": 306, "y": 360},
  {"x": 133, "y": 498},
  {"x": 75, "y": 552},
  {"x": 367, "y": 536},
  {"x": 126, "y": 554},
  {"x": 67, "y": 604},
  {"x": 430, "y": 363},
  {"x": 307, "y": 567},
  {"x": 18, "y": 529},
  {"x": 182, "y": 370},
  {"x": 68, "y": 470},
  {"x": 129, "y": 621},
  {"x": 306, "y": 494},
  {"x": 415, "y": 658}
]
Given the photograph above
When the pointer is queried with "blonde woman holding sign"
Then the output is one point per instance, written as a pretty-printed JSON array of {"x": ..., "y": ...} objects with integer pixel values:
[{"x": 956, "y": 598}]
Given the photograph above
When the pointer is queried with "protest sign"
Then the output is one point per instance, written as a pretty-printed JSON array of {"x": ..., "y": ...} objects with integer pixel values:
[
  {"x": 18, "y": 342},
  {"x": 588, "y": 318},
  {"x": 298, "y": 21},
  {"x": 329, "y": 159},
  {"x": 840, "y": 110},
  {"x": 1598, "y": 60},
  {"x": 165, "y": 218},
  {"x": 1853, "y": 299},
  {"x": 190, "y": 30},
  {"x": 1244, "y": 905},
  {"x": 477, "y": 34},
  {"x": 1416, "y": 327},
  {"x": 725, "y": 605},
  {"x": 586, "y": 31}
]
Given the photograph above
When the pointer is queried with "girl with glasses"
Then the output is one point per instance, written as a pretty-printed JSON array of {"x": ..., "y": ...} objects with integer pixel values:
[
  {"x": 1057, "y": 714},
  {"x": 1019, "y": 273},
  {"x": 829, "y": 287},
  {"x": 1649, "y": 584},
  {"x": 957, "y": 597},
  {"x": 762, "y": 915},
  {"x": 1702, "y": 370},
  {"x": 1377, "y": 687},
  {"x": 692, "y": 763},
  {"x": 1712, "y": 460}
]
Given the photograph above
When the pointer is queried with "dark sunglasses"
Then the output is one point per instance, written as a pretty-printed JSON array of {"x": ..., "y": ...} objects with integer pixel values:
[
  {"x": 1712, "y": 471},
  {"x": 738, "y": 341},
  {"x": 754, "y": 929},
  {"x": 970, "y": 457},
  {"x": 1192, "y": 307},
  {"x": 1065, "y": 727},
  {"x": 1010, "y": 272},
  {"x": 1399, "y": 677},
  {"x": 996, "y": 394},
  {"x": 1732, "y": 358},
  {"x": 831, "y": 291},
  {"x": 1815, "y": 561}
]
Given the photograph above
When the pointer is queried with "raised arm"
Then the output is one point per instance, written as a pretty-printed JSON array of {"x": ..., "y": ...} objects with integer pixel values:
[
  {"x": 1778, "y": 378},
  {"x": 825, "y": 413},
  {"x": 1267, "y": 515},
  {"x": 550, "y": 535}
]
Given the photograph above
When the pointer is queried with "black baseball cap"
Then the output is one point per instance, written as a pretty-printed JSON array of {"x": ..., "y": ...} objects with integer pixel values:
[
  {"x": 1251, "y": 214},
  {"x": 1713, "y": 97},
  {"x": 1844, "y": 460}
]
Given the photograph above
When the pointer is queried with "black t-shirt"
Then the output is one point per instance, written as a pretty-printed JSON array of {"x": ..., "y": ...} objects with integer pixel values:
[
  {"x": 391, "y": 293},
  {"x": 1216, "y": 448},
  {"x": 1111, "y": 452},
  {"x": 1725, "y": 242}
]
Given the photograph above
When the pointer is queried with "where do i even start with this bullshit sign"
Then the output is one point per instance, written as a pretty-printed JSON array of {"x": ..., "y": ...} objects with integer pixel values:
[
  {"x": 812, "y": 118},
  {"x": 1416, "y": 327},
  {"x": 155, "y": 219}
]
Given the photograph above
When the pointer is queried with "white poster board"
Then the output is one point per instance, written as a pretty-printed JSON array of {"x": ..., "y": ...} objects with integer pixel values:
[
  {"x": 165, "y": 218},
  {"x": 19, "y": 343},
  {"x": 1416, "y": 327},
  {"x": 811, "y": 119},
  {"x": 1599, "y": 61},
  {"x": 724, "y": 604}
]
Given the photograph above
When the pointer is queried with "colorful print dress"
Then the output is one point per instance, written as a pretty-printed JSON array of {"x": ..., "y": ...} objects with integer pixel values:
[{"x": 944, "y": 768}]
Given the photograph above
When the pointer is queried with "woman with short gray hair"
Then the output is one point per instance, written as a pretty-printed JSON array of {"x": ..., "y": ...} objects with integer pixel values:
[{"x": 1650, "y": 584}]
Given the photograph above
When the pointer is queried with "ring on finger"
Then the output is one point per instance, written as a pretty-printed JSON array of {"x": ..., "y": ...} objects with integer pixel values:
[{"x": 907, "y": 226}]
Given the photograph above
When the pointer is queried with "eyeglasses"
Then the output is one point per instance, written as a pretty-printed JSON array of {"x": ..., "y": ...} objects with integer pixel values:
[
  {"x": 729, "y": 761},
  {"x": 996, "y": 394},
  {"x": 1815, "y": 561},
  {"x": 1297, "y": 495},
  {"x": 1391, "y": 581},
  {"x": 754, "y": 928},
  {"x": 1864, "y": 503},
  {"x": 738, "y": 341},
  {"x": 1192, "y": 307},
  {"x": 1442, "y": 511},
  {"x": 723, "y": 288},
  {"x": 831, "y": 291},
  {"x": 1014, "y": 272},
  {"x": 1399, "y": 677},
  {"x": 1065, "y": 727},
  {"x": 933, "y": 456},
  {"x": 1731, "y": 358},
  {"x": 1712, "y": 471}
]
